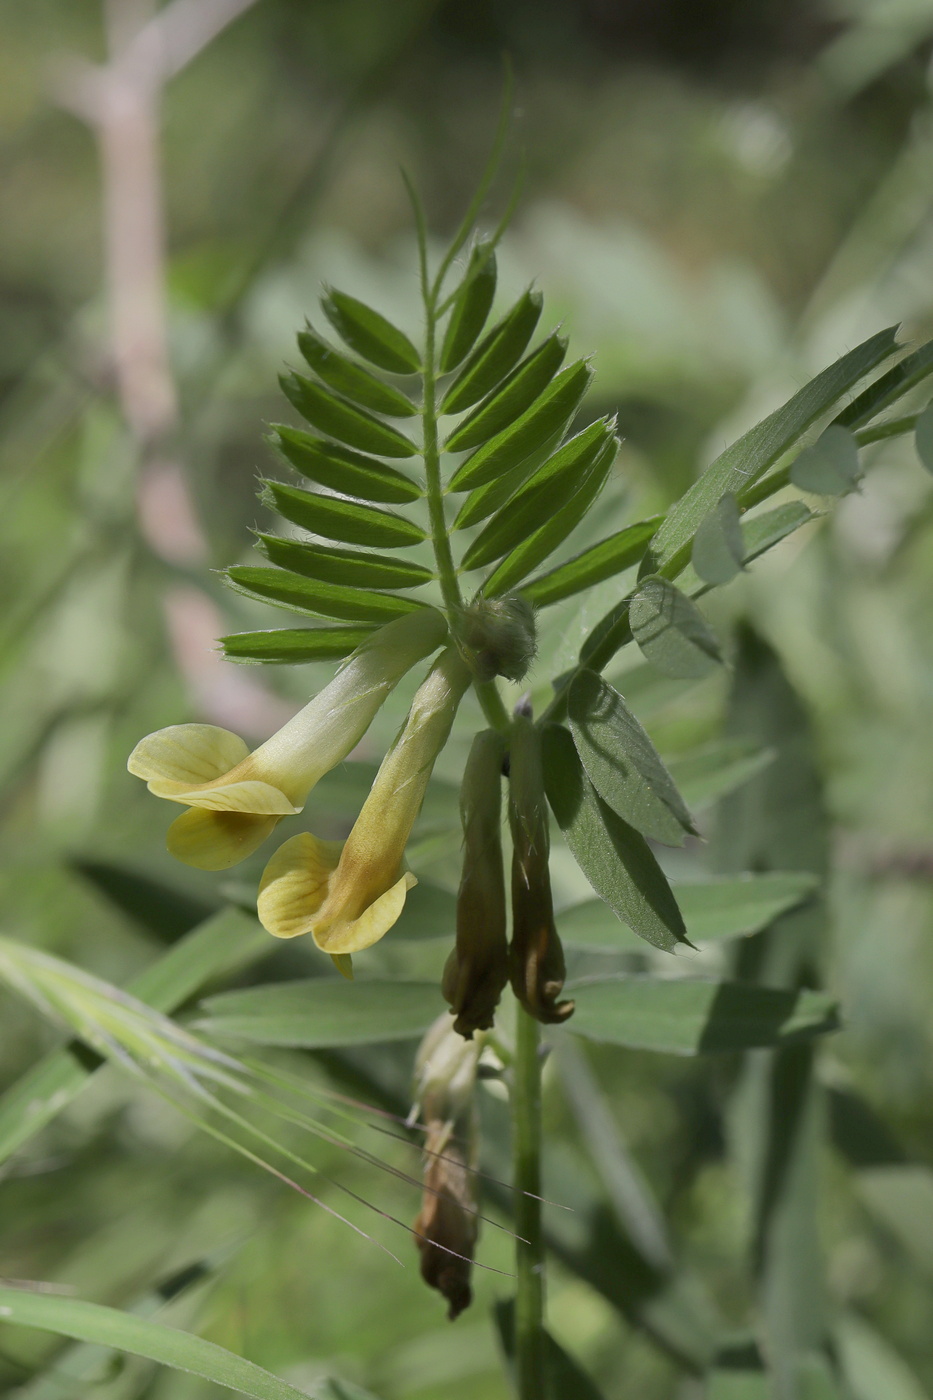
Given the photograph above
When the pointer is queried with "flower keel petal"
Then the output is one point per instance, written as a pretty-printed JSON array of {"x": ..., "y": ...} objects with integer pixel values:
[{"x": 353, "y": 935}]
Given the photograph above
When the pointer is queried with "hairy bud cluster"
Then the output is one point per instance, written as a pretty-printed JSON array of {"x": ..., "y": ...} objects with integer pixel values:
[{"x": 498, "y": 637}]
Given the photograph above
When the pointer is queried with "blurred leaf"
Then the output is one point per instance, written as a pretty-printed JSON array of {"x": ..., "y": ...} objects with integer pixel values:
[
  {"x": 763, "y": 531},
  {"x": 324, "y": 1011},
  {"x": 351, "y": 379},
  {"x": 858, "y": 1133},
  {"x": 622, "y": 763},
  {"x": 736, "y": 1383},
  {"x": 693, "y": 1017},
  {"x": 872, "y": 1368},
  {"x": 747, "y": 459},
  {"x": 671, "y": 631},
  {"x": 593, "y": 565},
  {"x": 89, "y": 1322},
  {"x": 709, "y": 772},
  {"x": 830, "y": 467},
  {"x": 342, "y": 420},
  {"x": 293, "y": 646},
  {"x": 471, "y": 304},
  {"x": 342, "y": 470},
  {"x": 617, "y": 861},
  {"x": 718, "y": 545},
  {"x": 495, "y": 355},
  {"x": 924, "y": 437},
  {"x": 517, "y": 393},
  {"x": 549, "y": 414},
  {"x": 900, "y": 1197},
  {"x": 316, "y": 598},
  {"x": 430, "y": 912},
  {"x": 563, "y": 1377},
  {"x": 353, "y": 567},
  {"x": 341, "y": 520},
  {"x": 154, "y": 905},
  {"x": 370, "y": 334}
]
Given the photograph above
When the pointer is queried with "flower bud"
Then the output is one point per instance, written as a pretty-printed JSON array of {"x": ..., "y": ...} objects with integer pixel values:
[
  {"x": 477, "y": 969},
  {"x": 498, "y": 637}
]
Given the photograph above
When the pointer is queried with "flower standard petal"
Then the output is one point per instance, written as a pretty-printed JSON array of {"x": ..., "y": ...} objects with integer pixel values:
[{"x": 186, "y": 754}]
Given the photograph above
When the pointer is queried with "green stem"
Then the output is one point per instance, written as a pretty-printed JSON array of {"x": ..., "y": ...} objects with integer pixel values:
[
  {"x": 493, "y": 705},
  {"x": 446, "y": 572},
  {"x": 526, "y": 1150}
]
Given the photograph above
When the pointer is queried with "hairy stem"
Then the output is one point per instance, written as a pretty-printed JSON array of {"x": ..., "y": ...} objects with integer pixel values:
[{"x": 526, "y": 1149}]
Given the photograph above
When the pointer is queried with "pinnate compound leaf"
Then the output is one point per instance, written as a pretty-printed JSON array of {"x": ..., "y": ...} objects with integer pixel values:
[
  {"x": 671, "y": 631},
  {"x": 470, "y": 307},
  {"x": 342, "y": 420},
  {"x": 513, "y": 396},
  {"x": 694, "y": 1017},
  {"x": 339, "y": 469},
  {"x": 495, "y": 355},
  {"x": 830, "y": 466},
  {"x": 341, "y": 520},
  {"x": 294, "y": 646},
  {"x": 549, "y": 414},
  {"x": 351, "y": 379},
  {"x": 924, "y": 437},
  {"x": 316, "y": 598},
  {"x": 594, "y": 565},
  {"x": 621, "y": 762},
  {"x": 615, "y": 859},
  {"x": 322, "y": 1012},
  {"x": 370, "y": 334},
  {"x": 718, "y": 545},
  {"x": 353, "y": 568},
  {"x": 141, "y": 1336}
]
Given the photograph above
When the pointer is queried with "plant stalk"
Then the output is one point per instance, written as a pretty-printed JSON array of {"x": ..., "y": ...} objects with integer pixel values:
[{"x": 526, "y": 1149}]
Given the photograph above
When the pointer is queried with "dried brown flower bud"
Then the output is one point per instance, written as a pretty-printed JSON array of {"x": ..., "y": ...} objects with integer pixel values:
[{"x": 447, "y": 1224}]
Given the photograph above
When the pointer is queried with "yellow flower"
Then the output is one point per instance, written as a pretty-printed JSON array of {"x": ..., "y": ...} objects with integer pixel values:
[
  {"x": 237, "y": 798},
  {"x": 348, "y": 897}
]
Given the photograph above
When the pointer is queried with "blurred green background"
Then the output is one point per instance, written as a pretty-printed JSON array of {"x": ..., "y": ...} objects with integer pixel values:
[{"x": 719, "y": 197}]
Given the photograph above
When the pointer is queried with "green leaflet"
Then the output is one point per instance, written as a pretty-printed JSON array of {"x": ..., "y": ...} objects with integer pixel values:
[
  {"x": 471, "y": 305},
  {"x": 323, "y": 1011},
  {"x": 495, "y": 355},
  {"x": 830, "y": 467},
  {"x": 342, "y": 470},
  {"x": 549, "y": 414},
  {"x": 694, "y": 1018},
  {"x": 351, "y": 567},
  {"x": 316, "y": 598},
  {"x": 748, "y": 458},
  {"x": 370, "y": 334},
  {"x": 594, "y": 565},
  {"x": 513, "y": 396},
  {"x": 545, "y": 494},
  {"x": 621, "y": 762},
  {"x": 912, "y": 370},
  {"x": 924, "y": 437},
  {"x": 671, "y": 631},
  {"x": 482, "y": 502},
  {"x": 293, "y": 646},
  {"x": 351, "y": 379},
  {"x": 617, "y": 861},
  {"x": 341, "y": 520},
  {"x": 141, "y": 1336},
  {"x": 718, "y": 545},
  {"x": 342, "y": 420}
]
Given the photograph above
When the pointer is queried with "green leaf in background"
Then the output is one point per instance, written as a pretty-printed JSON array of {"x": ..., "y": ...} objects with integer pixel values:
[
  {"x": 350, "y": 567},
  {"x": 872, "y": 1368},
  {"x": 693, "y": 1017},
  {"x": 564, "y": 1379},
  {"x": 718, "y": 545},
  {"x": 830, "y": 467},
  {"x": 513, "y": 396},
  {"x": 470, "y": 307},
  {"x": 923, "y": 437},
  {"x": 622, "y": 763},
  {"x": 748, "y": 458},
  {"x": 342, "y": 420},
  {"x": 549, "y": 414},
  {"x": 671, "y": 631},
  {"x": 164, "y": 911},
  {"x": 615, "y": 859},
  {"x": 339, "y": 469},
  {"x": 430, "y": 912},
  {"x": 713, "y": 910},
  {"x": 323, "y": 1012},
  {"x": 495, "y": 356},
  {"x": 763, "y": 531},
  {"x": 310, "y": 595},
  {"x": 594, "y": 565},
  {"x": 899, "y": 1197},
  {"x": 341, "y": 520},
  {"x": 351, "y": 379},
  {"x": 706, "y": 773},
  {"x": 293, "y": 646},
  {"x": 140, "y": 1336},
  {"x": 370, "y": 334}
]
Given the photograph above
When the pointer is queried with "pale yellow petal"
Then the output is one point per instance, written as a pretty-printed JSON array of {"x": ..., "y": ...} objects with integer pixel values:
[
  {"x": 187, "y": 753},
  {"x": 217, "y": 840},
  {"x": 261, "y": 799},
  {"x": 294, "y": 884},
  {"x": 351, "y": 936}
]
